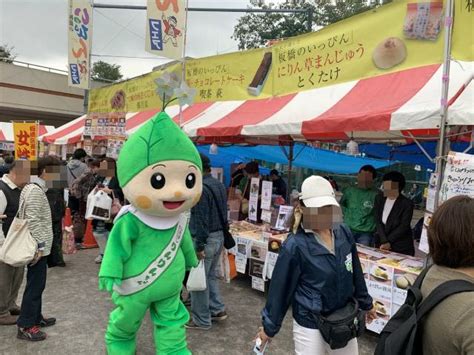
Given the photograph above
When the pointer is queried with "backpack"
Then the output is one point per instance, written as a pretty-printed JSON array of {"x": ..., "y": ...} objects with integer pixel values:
[
  {"x": 83, "y": 185},
  {"x": 402, "y": 334}
]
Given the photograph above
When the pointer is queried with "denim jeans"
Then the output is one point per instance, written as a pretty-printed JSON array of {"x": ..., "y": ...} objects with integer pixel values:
[
  {"x": 206, "y": 303},
  {"x": 32, "y": 302},
  {"x": 364, "y": 238},
  {"x": 101, "y": 235}
]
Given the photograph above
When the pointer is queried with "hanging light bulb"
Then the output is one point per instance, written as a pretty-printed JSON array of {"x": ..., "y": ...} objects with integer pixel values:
[{"x": 213, "y": 149}]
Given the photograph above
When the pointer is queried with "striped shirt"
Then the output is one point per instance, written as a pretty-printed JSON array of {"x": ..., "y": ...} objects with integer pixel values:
[{"x": 38, "y": 216}]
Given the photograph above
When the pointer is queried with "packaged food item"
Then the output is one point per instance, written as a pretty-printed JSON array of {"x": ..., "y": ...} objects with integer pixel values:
[{"x": 423, "y": 20}]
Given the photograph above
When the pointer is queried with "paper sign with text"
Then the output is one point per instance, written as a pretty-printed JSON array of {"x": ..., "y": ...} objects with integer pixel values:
[{"x": 26, "y": 140}]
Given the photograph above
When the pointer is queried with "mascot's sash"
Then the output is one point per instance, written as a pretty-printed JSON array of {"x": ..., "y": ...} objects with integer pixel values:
[{"x": 158, "y": 266}]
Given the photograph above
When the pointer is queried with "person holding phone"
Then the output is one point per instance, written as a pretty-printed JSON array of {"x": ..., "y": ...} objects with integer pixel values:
[{"x": 318, "y": 271}]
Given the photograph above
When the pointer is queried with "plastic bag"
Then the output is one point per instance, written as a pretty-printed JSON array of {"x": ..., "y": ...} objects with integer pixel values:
[
  {"x": 197, "y": 278},
  {"x": 99, "y": 206}
]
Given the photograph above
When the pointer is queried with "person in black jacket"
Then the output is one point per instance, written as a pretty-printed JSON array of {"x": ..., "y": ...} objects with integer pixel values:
[
  {"x": 393, "y": 215},
  {"x": 106, "y": 181},
  {"x": 54, "y": 190},
  {"x": 318, "y": 272}
]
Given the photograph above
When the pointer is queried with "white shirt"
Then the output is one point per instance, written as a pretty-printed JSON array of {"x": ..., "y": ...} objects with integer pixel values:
[{"x": 387, "y": 208}]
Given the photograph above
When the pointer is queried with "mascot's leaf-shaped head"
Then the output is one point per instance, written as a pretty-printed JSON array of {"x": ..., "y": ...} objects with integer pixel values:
[{"x": 160, "y": 169}]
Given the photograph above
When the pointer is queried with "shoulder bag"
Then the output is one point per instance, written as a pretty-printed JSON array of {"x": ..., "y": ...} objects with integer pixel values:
[
  {"x": 20, "y": 247},
  {"x": 342, "y": 325},
  {"x": 229, "y": 241}
]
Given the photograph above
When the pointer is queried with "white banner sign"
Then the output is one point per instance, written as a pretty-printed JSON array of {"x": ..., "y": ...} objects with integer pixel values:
[
  {"x": 458, "y": 176},
  {"x": 165, "y": 28},
  {"x": 79, "y": 44}
]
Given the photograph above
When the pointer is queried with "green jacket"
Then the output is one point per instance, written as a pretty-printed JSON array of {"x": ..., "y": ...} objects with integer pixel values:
[
  {"x": 132, "y": 246},
  {"x": 358, "y": 209}
]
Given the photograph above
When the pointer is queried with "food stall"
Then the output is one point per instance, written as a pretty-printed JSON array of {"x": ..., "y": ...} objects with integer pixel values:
[{"x": 387, "y": 275}]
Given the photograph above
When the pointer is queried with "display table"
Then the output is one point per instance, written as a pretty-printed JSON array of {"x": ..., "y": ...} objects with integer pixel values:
[{"x": 387, "y": 274}]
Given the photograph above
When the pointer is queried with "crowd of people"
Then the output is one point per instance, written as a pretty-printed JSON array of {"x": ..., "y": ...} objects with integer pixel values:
[{"x": 317, "y": 272}]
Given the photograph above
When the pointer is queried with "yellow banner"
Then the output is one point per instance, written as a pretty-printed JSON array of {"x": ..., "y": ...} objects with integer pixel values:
[
  {"x": 463, "y": 31},
  {"x": 235, "y": 76},
  {"x": 133, "y": 95},
  {"x": 79, "y": 44},
  {"x": 397, "y": 36},
  {"x": 26, "y": 140},
  {"x": 165, "y": 28}
]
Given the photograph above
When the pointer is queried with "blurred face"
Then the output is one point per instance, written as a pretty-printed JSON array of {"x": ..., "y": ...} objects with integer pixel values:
[
  {"x": 391, "y": 189},
  {"x": 273, "y": 177},
  {"x": 165, "y": 189},
  {"x": 21, "y": 173},
  {"x": 321, "y": 218},
  {"x": 365, "y": 179},
  {"x": 55, "y": 176},
  {"x": 107, "y": 168}
]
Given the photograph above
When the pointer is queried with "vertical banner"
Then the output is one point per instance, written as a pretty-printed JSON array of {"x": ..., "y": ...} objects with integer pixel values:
[
  {"x": 79, "y": 43},
  {"x": 165, "y": 28},
  {"x": 26, "y": 140}
]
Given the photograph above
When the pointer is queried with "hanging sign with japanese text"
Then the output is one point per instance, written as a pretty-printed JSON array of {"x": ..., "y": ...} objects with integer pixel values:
[
  {"x": 394, "y": 37},
  {"x": 397, "y": 36},
  {"x": 79, "y": 44},
  {"x": 26, "y": 140},
  {"x": 165, "y": 28},
  {"x": 235, "y": 76},
  {"x": 105, "y": 125},
  {"x": 463, "y": 29}
]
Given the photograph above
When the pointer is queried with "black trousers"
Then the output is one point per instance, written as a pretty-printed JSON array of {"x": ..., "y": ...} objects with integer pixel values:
[
  {"x": 30, "y": 314},
  {"x": 56, "y": 256}
]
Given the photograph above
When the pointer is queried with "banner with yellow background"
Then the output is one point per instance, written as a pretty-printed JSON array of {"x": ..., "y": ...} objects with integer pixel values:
[
  {"x": 26, "y": 140},
  {"x": 463, "y": 30},
  {"x": 401, "y": 35}
]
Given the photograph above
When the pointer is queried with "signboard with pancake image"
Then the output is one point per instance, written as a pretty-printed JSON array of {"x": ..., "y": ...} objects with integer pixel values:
[{"x": 381, "y": 274}]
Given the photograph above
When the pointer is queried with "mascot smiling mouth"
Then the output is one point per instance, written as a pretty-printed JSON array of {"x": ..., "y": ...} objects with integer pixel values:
[{"x": 172, "y": 205}]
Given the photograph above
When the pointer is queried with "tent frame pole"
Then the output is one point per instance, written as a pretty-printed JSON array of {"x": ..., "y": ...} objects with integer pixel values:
[
  {"x": 443, "y": 143},
  {"x": 423, "y": 150}
]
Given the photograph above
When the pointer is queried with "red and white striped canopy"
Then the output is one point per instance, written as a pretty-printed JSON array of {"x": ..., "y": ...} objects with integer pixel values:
[
  {"x": 6, "y": 131},
  {"x": 389, "y": 107}
]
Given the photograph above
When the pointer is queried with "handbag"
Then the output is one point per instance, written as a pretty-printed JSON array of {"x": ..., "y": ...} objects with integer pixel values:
[
  {"x": 20, "y": 247},
  {"x": 197, "y": 278},
  {"x": 99, "y": 205},
  {"x": 229, "y": 241},
  {"x": 342, "y": 325}
]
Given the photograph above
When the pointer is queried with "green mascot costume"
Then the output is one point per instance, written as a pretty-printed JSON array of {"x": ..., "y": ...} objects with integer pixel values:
[{"x": 150, "y": 247}]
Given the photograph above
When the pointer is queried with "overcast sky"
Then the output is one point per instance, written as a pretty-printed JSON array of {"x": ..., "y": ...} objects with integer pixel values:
[{"x": 38, "y": 31}]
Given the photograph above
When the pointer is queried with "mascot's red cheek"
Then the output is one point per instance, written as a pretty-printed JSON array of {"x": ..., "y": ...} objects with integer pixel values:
[{"x": 143, "y": 202}]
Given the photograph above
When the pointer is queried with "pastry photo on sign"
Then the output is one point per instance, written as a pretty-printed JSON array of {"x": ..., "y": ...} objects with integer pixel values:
[
  {"x": 389, "y": 53},
  {"x": 260, "y": 77}
]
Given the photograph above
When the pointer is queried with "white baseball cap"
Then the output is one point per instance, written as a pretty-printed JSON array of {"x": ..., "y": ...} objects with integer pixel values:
[{"x": 317, "y": 192}]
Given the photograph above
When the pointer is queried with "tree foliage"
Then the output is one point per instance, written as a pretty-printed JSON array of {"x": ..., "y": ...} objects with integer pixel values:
[
  {"x": 255, "y": 30},
  {"x": 105, "y": 72},
  {"x": 6, "y": 53}
]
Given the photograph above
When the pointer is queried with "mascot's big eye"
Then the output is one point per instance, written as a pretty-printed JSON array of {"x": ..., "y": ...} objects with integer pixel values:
[
  {"x": 158, "y": 181},
  {"x": 190, "y": 181}
]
